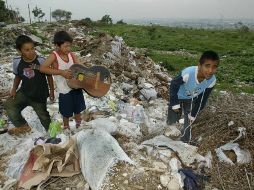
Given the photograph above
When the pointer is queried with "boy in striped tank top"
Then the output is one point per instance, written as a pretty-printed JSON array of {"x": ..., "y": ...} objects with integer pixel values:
[{"x": 71, "y": 101}]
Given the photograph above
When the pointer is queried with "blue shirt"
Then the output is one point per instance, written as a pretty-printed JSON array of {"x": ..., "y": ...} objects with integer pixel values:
[
  {"x": 191, "y": 87},
  {"x": 187, "y": 87}
]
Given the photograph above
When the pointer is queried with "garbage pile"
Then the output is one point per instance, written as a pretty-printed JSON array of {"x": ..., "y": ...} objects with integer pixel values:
[
  {"x": 229, "y": 135},
  {"x": 137, "y": 74},
  {"x": 123, "y": 141}
]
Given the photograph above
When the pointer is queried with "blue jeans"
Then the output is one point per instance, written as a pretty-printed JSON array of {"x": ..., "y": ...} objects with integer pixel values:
[{"x": 173, "y": 117}]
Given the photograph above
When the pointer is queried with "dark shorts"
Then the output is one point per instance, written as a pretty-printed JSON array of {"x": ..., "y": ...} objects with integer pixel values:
[{"x": 72, "y": 102}]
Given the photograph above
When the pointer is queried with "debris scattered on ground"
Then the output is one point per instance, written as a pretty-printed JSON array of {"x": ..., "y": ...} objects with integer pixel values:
[{"x": 131, "y": 117}]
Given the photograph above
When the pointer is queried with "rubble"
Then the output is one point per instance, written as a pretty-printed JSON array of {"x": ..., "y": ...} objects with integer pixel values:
[
  {"x": 172, "y": 131},
  {"x": 187, "y": 153},
  {"x": 148, "y": 91},
  {"x": 36, "y": 39}
]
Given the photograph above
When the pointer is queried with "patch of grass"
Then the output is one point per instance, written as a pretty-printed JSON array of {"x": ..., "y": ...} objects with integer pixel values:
[
  {"x": 194, "y": 40},
  {"x": 235, "y": 47},
  {"x": 173, "y": 63}
]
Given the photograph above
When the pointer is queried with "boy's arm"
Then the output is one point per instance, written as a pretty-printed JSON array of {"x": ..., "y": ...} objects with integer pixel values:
[
  {"x": 174, "y": 88},
  {"x": 200, "y": 104},
  {"x": 45, "y": 68},
  {"x": 15, "y": 86},
  {"x": 51, "y": 87}
]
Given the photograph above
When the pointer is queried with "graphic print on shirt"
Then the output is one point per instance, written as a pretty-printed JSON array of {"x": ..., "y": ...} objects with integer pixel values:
[{"x": 28, "y": 72}]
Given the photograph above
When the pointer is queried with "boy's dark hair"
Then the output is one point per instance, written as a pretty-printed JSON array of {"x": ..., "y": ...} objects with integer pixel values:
[
  {"x": 209, "y": 55},
  {"x": 61, "y": 37},
  {"x": 21, "y": 40}
]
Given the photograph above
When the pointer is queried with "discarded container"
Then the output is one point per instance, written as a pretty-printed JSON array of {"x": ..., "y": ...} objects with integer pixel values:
[
  {"x": 112, "y": 105},
  {"x": 55, "y": 128},
  {"x": 2, "y": 123}
]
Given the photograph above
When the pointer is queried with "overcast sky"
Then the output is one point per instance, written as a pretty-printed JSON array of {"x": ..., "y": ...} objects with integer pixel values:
[{"x": 134, "y": 9}]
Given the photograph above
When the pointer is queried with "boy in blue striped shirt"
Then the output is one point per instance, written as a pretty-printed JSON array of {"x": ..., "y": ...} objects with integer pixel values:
[{"x": 190, "y": 90}]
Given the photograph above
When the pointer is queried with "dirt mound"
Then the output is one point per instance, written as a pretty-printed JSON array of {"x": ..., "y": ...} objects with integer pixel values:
[{"x": 218, "y": 125}]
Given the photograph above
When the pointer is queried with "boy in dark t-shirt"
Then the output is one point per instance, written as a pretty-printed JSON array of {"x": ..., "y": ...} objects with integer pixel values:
[{"x": 34, "y": 89}]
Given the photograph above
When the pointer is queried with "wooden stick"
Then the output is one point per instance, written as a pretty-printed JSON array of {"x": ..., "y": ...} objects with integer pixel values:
[
  {"x": 247, "y": 178},
  {"x": 221, "y": 182}
]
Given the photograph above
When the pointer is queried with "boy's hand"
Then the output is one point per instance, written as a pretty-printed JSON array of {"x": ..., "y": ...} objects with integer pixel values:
[
  {"x": 51, "y": 95},
  {"x": 66, "y": 74},
  {"x": 13, "y": 93},
  {"x": 191, "y": 119}
]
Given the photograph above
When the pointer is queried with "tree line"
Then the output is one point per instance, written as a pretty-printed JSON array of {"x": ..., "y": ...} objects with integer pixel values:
[{"x": 13, "y": 16}]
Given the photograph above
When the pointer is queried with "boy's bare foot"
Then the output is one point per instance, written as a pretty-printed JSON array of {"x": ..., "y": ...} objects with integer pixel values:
[{"x": 20, "y": 130}]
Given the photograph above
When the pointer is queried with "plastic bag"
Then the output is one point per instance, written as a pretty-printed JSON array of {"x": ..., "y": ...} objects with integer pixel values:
[
  {"x": 99, "y": 151},
  {"x": 2, "y": 123},
  {"x": 187, "y": 153},
  {"x": 135, "y": 114},
  {"x": 243, "y": 156},
  {"x": 149, "y": 94},
  {"x": 18, "y": 160},
  {"x": 116, "y": 48},
  {"x": 55, "y": 128}
]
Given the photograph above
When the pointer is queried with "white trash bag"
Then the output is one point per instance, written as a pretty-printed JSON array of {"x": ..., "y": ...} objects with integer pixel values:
[
  {"x": 243, "y": 156},
  {"x": 19, "y": 159},
  {"x": 99, "y": 151}
]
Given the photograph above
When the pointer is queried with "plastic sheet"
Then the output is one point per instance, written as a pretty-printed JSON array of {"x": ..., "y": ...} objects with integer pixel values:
[
  {"x": 243, "y": 156},
  {"x": 187, "y": 153},
  {"x": 99, "y": 151}
]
